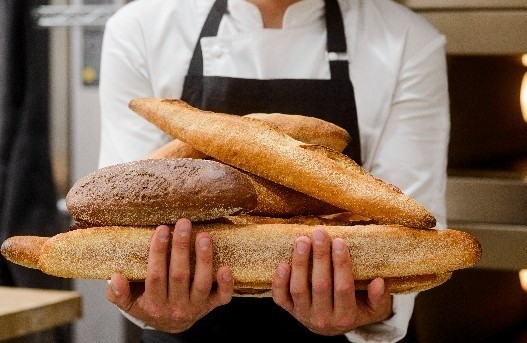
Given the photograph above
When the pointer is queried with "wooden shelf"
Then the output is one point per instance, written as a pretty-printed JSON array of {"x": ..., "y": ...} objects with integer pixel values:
[{"x": 26, "y": 310}]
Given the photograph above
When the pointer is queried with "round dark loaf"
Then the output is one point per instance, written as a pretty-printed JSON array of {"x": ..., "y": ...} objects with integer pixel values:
[{"x": 153, "y": 192}]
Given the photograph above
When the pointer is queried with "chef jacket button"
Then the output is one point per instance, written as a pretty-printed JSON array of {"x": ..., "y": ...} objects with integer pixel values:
[
  {"x": 332, "y": 56},
  {"x": 216, "y": 51}
]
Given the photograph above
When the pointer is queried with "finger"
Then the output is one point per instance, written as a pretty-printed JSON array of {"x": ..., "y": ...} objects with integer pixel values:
[
  {"x": 281, "y": 295},
  {"x": 322, "y": 280},
  {"x": 299, "y": 283},
  {"x": 118, "y": 292},
  {"x": 179, "y": 282},
  {"x": 202, "y": 282},
  {"x": 378, "y": 295},
  {"x": 343, "y": 281},
  {"x": 223, "y": 293},
  {"x": 156, "y": 271}
]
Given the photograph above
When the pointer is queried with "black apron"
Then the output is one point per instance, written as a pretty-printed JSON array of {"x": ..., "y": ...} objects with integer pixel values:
[{"x": 246, "y": 319}]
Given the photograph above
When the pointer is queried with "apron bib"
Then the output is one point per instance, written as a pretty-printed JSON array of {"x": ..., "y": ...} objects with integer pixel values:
[{"x": 246, "y": 318}]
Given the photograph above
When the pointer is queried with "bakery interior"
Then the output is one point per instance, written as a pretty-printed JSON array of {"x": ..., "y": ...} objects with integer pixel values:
[{"x": 487, "y": 170}]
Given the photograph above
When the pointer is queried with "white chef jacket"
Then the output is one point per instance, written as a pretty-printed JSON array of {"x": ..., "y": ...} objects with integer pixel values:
[{"x": 397, "y": 66}]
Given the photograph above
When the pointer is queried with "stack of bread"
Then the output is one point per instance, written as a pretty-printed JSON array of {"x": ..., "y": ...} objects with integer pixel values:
[{"x": 255, "y": 183}]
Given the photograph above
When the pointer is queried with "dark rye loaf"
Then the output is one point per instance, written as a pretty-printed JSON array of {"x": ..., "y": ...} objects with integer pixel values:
[{"x": 153, "y": 192}]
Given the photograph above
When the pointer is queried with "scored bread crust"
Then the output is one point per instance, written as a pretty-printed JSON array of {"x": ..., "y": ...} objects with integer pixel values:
[
  {"x": 254, "y": 251},
  {"x": 23, "y": 250},
  {"x": 306, "y": 129},
  {"x": 26, "y": 251},
  {"x": 303, "y": 128},
  {"x": 258, "y": 148},
  {"x": 153, "y": 192},
  {"x": 273, "y": 199}
]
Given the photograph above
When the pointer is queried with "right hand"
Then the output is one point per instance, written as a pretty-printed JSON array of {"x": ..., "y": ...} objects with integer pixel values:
[{"x": 169, "y": 299}]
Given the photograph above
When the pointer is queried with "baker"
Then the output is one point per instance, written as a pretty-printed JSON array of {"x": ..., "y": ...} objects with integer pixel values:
[{"x": 372, "y": 67}]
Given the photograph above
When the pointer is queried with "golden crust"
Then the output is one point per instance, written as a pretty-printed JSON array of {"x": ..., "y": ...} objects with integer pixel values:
[
  {"x": 254, "y": 251},
  {"x": 394, "y": 285},
  {"x": 258, "y": 148},
  {"x": 273, "y": 199},
  {"x": 23, "y": 250},
  {"x": 309, "y": 130}
]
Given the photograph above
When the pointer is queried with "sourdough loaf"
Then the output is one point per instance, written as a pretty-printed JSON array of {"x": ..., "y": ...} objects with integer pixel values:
[{"x": 153, "y": 192}]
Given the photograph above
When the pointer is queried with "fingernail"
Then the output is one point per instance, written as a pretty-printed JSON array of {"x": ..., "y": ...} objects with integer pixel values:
[
  {"x": 183, "y": 229},
  {"x": 114, "y": 289},
  {"x": 281, "y": 271},
  {"x": 338, "y": 246},
  {"x": 204, "y": 243},
  {"x": 318, "y": 236},
  {"x": 227, "y": 276},
  {"x": 301, "y": 247},
  {"x": 163, "y": 234}
]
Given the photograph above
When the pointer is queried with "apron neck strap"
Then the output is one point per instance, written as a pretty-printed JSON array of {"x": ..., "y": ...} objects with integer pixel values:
[
  {"x": 336, "y": 39},
  {"x": 209, "y": 29}
]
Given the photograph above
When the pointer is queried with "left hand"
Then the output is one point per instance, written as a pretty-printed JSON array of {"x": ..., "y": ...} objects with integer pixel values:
[{"x": 329, "y": 304}]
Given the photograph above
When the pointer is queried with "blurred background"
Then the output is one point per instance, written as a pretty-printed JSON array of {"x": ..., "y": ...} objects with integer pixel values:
[{"x": 49, "y": 135}]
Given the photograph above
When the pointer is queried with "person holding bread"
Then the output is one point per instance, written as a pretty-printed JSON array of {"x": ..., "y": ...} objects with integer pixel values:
[{"x": 372, "y": 67}]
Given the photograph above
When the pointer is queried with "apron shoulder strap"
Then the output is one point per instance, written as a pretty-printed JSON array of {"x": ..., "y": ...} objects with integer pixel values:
[
  {"x": 336, "y": 41},
  {"x": 209, "y": 29}
]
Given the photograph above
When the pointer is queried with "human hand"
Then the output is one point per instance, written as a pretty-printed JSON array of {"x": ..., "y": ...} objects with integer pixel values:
[
  {"x": 169, "y": 299},
  {"x": 329, "y": 304}
]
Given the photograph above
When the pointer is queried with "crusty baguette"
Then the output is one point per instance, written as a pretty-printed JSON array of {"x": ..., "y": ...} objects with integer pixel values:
[
  {"x": 306, "y": 129},
  {"x": 259, "y": 148},
  {"x": 275, "y": 200},
  {"x": 254, "y": 251},
  {"x": 23, "y": 250},
  {"x": 339, "y": 219},
  {"x": 176, "y": 149},
  {"x": 153, "y": 192},
  {"x": 395, "y": 285}
]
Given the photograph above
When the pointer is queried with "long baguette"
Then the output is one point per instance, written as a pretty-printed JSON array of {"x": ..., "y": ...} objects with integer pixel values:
[
  {"x": 25, "y": 251},
  {"x": 259, "y": 148},
  {"x": 253, "y": 251},
  {"x": 153, "y": 192},
  {"x": 309, "y": 130},
  {"x": 275, "y": 200}
]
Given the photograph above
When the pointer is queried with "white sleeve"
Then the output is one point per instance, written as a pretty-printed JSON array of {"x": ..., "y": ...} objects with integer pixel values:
[
  {"x": 413, "y": 156},
  {"x": 125, "y": 136}
]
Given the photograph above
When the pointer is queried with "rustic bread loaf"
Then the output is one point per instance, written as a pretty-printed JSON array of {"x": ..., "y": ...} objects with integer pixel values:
[
  {"x": 254, "y": 251},
  {"x": 153, "y": 192},
  {"x": 258, "y": 148}
]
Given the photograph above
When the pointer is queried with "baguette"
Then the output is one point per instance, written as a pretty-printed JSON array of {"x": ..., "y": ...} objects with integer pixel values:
[
  {"x": 23, "y": 250},
  {"x": 153, "y": 192},
  {"x": 254, "y": 251},
  {"x": 260, "y": 149},
  {"x": 275, "y": 200},
  {"x": 309, "y": 130}
]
